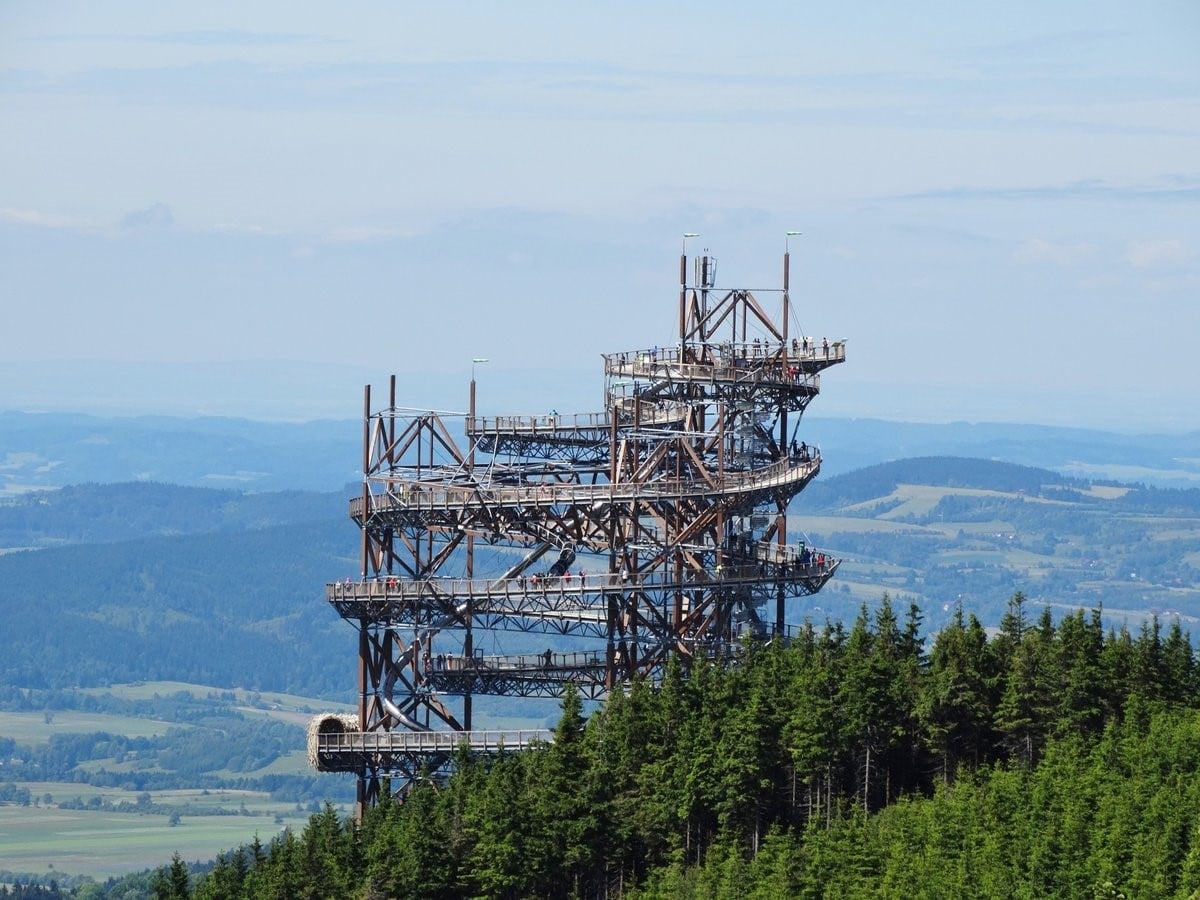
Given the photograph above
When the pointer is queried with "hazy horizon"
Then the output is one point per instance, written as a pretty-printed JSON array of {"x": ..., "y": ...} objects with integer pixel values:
[
  {"x": 254, "y": 210},
  {"x": 304, "y": 392}
]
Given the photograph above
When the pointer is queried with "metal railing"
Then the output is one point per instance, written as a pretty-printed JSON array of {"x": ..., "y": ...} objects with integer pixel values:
[
  {"x": 549, "y": 424},
  {"x": 391, "y": 742},
  {"x": 776, "y": 358},
  {"x": 418, "y": 496},
  {"x": 525, "y": 662},
  {"x": 387, "y": 587}
]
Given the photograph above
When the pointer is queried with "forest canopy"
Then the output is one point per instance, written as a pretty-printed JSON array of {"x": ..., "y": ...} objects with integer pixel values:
[{"x": 1049, "y": 758}]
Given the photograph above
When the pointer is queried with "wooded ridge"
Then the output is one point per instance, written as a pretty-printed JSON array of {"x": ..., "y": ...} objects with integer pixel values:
[{"x": 1048, "y": 760}]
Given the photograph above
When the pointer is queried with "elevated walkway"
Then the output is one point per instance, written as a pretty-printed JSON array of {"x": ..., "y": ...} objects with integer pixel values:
[
  {"x": 584, "y": 596},
  {"x": 418, "y": 499},
  {"x": 583, "y": 427},
  {"x": 567, "y": 606},
  {"x": 354, "y": 751},
  {"x": 527, "y": 675}
]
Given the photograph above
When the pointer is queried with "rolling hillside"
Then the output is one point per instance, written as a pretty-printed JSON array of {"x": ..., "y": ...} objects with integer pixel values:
[
  {"x": 159, "y": 582},
  {"x": 145, "y": 582},
  {"x": 136, "y": 590},
  {"x": 109, "y": 513},
  {"x": 944, "y": 530}
]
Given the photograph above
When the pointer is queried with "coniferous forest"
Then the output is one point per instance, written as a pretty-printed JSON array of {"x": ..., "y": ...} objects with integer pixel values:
[{"x": 1049, "y": 759}]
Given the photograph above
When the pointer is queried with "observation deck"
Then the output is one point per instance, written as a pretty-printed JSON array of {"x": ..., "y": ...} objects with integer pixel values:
[
  {"x": 794, "y": 366},
  {"x": 351, "y": 751},
  {"x": 787, "y": 367}
]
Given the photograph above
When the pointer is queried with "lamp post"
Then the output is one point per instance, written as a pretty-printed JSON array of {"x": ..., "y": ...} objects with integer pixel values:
[
  {"x": 787, "y": 255},
  {"x": 471, "y": 409},
  {"x": 781, "y": 522},
  {"x": 474, "y": 362},
  {"x": 468, "y": 641},
  {"x": 683, "y": 288}
]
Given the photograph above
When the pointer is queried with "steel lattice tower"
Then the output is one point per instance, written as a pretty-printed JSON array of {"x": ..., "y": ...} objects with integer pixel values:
[{"x": 657, "y": 528}]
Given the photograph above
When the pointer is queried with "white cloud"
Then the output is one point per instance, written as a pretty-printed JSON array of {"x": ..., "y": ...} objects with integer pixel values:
[
  {"x": 1142, "y": 254},
  {"x": 1036, "y": 251},
  {"x": 44, "y": 219}
]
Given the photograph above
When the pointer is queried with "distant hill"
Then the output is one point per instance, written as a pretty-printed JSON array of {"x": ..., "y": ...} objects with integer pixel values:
[
  {"x": 143, "y": 582},
  {"x": 1025, "y": 482},
  {"x": 159, "y": 582},
  {"x": 1165, "y": 460},
  {"x": 147, "y": 581},
  {"x": 107, "y": 513},
  {"x": 943, "y": 471},
  {"x": 41, "y": 450},
  {"x": 230, "y": 609},
  {"x": 945, "y": 529}
]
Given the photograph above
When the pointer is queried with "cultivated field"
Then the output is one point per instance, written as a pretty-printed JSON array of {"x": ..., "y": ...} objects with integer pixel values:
[
  {"x": 33, "y": 728},
  {"x": 43, "y": 838},
  {"x": 46, "y": 840}
]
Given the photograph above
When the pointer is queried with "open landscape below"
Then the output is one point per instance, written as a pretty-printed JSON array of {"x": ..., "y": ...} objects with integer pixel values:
[
  {"x": 106, "y": 843},
  {"x": 96, "y": 782},
  {"x": 167, "y": 643}
]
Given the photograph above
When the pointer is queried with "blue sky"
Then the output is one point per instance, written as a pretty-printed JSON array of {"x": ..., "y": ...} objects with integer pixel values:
[{"x": 252, "y": 209}]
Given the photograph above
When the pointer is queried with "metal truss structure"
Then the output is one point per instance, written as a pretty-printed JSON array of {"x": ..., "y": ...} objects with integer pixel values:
[{"x": 655, "y": 529}]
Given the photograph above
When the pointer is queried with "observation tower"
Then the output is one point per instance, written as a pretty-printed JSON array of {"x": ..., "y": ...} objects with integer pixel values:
[{"x": 652, "y": 529}]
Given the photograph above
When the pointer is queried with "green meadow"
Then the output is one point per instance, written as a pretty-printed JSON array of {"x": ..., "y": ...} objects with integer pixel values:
[
  {"x": 73, "y": 827},
  {"x": 47, "y": 839}
]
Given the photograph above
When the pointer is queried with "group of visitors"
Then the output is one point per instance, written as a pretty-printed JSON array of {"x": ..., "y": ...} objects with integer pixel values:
[
  {"x": 544, "y": 579},
  {"x": 808, "y": 557}
]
